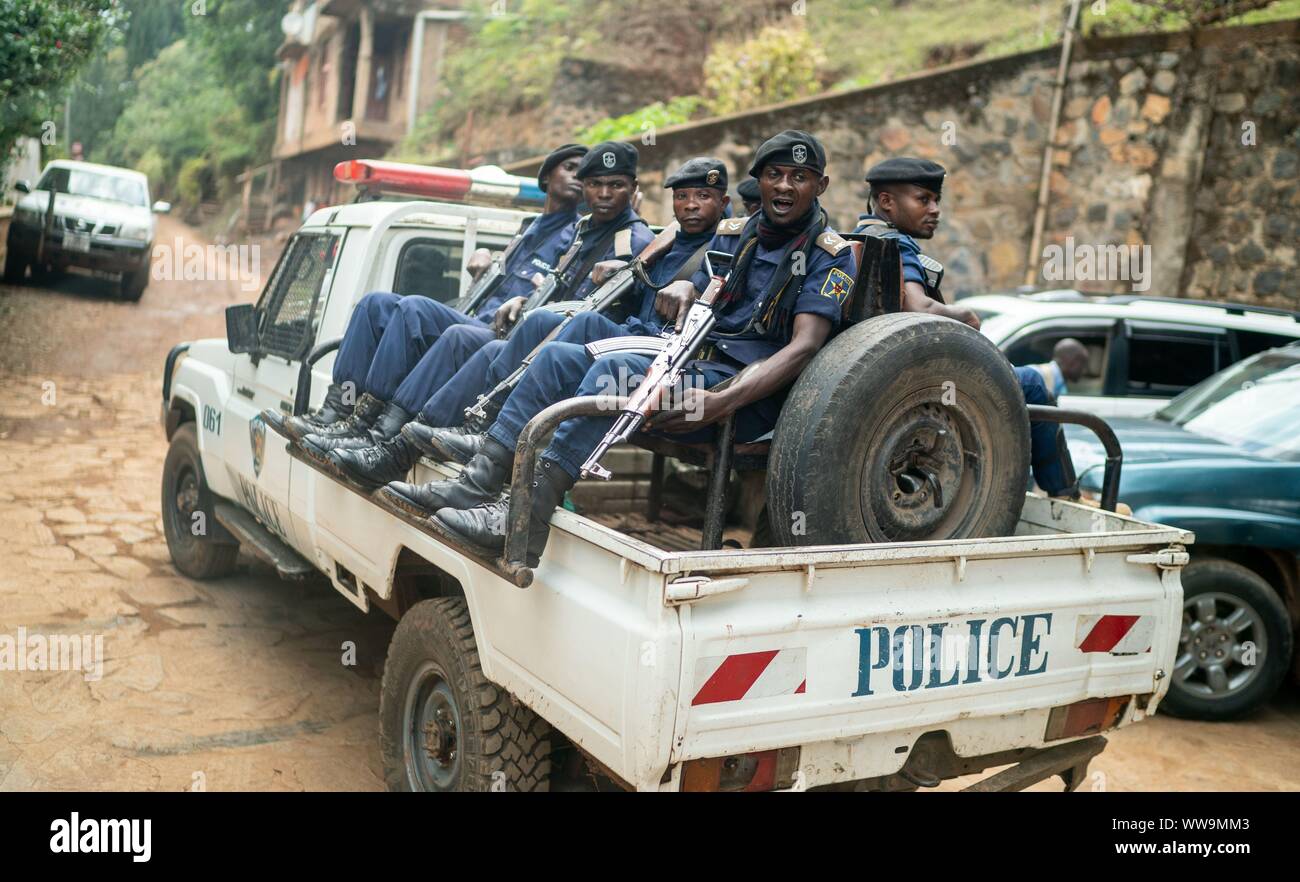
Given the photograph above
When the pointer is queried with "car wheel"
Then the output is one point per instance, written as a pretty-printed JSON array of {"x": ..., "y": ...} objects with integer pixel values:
[
  {"x": 1235, "y": 646},
  {"x": 443, "y": 726},
  {"x": 189, "y": 525},
  {"x": 15, "y": 265},
  {"x": 131, "y": 286},
  {"x": 904, "y": 428}
]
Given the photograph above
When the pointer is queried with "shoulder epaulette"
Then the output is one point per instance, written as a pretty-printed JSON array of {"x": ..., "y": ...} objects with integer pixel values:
[
  {"x": 832, "y": 243},
  {"x": 732, "y": 226}
]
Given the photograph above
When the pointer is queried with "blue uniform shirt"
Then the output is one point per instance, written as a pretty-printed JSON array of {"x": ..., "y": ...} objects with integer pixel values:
[
  {"x": 545, "y": 240},
  {"x": 646, "y": 320},
  {"x": 828, "y": 280},
  {"x": 908, "y": 250},
  {"x": 641, "y": 237}
]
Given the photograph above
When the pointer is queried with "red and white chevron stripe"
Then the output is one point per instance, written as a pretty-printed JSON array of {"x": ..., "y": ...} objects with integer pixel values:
[
  {"x": 1118, "y": 635},
  {"x": 751, "y": 675}
]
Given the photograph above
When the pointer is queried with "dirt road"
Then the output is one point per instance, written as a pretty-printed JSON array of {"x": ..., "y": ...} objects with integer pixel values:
[{"x": 240, "y": 683}]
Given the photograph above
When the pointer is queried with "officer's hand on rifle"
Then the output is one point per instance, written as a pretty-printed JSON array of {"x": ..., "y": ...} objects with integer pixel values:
[
  {"x": 507, "y": 314},
  {"x": 697, "y": 408},
  {"x": 479, "y": 261},
  {"x": 601, "y": 272},
  {"x": 673, "y": 301}
]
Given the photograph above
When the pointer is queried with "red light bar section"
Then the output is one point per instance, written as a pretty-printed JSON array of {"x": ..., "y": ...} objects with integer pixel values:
[{"x": 401, "y": 177}]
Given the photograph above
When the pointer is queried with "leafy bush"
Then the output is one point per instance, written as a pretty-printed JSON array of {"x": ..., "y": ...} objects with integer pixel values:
[
  {"x": 653, "y": 116},
  {"x": 779, "y": 63},
  {"x": 194, "y": 180}
]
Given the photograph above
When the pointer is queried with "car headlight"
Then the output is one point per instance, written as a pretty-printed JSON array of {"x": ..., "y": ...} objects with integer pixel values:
[{"x": 139, "y": 232}]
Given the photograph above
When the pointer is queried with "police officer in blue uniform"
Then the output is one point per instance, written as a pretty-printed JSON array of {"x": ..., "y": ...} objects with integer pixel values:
[
  {"x": 387, "y": 333},
  {"x": 699, "y": 203},
  {"x": 783, "y": 300},
  {"x": 905, "y": 194},
  {"x": 613, "y": 230},
  {"x": 749, "y": 198}
]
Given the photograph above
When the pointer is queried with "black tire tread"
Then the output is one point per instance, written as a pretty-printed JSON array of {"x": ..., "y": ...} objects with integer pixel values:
[
  {"x": 866, "y": 350},
  {"x": 198, "y": 558},
  {"x": 507, "y": 736}
]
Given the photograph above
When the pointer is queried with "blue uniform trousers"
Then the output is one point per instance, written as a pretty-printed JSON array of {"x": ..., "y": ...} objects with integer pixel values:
[
  {"x": 386, "y": 337},
  {"x": 564, "y": 369},
  {"x": 456, "y": 346},
  {"x": 470, "y": 376},
  {"x": 370, "y": 318},
  {"x": 1044, "y": 456}
]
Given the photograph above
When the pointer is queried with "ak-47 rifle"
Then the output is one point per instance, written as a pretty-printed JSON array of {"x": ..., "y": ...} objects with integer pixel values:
[
  {"x": 598, "y": 301},
  {"x": 666, "y": 369},
  {"x": 484, "y": 286}
]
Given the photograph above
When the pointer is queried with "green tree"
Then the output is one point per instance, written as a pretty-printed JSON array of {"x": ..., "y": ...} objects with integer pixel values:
[
  {"x": 241, "y": 36},
  {"x": 43, "y": 43}
]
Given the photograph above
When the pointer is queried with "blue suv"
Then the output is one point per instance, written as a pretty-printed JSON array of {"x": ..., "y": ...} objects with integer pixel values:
[{"x": 1223, "y": 460}]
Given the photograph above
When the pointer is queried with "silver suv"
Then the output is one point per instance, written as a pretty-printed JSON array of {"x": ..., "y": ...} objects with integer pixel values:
[
  {"x": 1142, "y": 351},
  {"x": 97, "y": 217}
]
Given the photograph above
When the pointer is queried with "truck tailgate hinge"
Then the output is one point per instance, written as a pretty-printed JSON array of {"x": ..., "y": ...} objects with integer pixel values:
[{"x": 689, "y": 588}]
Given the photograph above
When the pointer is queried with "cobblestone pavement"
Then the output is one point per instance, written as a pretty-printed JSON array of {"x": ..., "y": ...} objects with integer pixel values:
[{"x": 239, "y": 683}]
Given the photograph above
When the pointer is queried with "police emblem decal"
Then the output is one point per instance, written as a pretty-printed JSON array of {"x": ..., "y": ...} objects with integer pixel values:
[
  {"x": 712, "y": 177},
  {"x": 838, "y": 284},
  {"x": 608, "y": 159},
  {"x": 800, "y": 153},
  {"x": 257, "y": 442}
]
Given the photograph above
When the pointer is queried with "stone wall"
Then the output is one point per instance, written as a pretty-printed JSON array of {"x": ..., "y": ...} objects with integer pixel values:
[{"x": 1149, "y": 153}]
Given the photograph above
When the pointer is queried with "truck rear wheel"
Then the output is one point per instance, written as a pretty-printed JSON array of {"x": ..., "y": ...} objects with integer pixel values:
[
  {"x": 188, "y": 522},
  {"x": 904, "y": 428},
  {"x": 443, "y": 726},
  {"x": 1236, "y": 643}
]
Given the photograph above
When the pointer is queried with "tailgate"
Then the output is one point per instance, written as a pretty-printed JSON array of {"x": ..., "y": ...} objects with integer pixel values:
[{"x": 855, "y": 660}]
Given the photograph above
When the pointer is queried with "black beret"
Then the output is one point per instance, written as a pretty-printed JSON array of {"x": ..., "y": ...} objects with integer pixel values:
[
  {"x": 609, "y": 158},
  {"x": 790, "y": 148},
  {"x": 908, "y": 170},
  {"x": 748, "y": 190},
  {"x": 702, "y": 171},
  {"x": 558, "y": 155}
]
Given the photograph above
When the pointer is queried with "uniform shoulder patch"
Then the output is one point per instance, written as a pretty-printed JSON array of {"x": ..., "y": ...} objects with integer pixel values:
[
  {"x": 732, "y": 226},
  {"x": 838, "y": 285},
  {"x": 832, "y": 243}
]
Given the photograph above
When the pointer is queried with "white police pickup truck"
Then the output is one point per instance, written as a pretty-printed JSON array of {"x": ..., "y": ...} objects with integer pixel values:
[{"x": 872, "y": 665}]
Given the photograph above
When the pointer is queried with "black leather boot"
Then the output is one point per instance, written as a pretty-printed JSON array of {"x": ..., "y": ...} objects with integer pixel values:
[
  {"x": 479, "y": 482},
  {"x": 389, "y": 423},
  {"x": 387, "y": 426},
  {"x": 362, "y": 418},
  {"x": 375, "y": 466},
  {"x": 444, "y": 445},
  {"x": 332, "y": 411},
  {"x": 483, "y": 527}
]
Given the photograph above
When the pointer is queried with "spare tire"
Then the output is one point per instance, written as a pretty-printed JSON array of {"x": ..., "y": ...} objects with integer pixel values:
[{"x": 904, "y": 428}]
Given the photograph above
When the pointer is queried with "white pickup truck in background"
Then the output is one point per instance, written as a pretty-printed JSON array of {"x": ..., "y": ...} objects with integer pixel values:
[{"x": 880, "y": 666}]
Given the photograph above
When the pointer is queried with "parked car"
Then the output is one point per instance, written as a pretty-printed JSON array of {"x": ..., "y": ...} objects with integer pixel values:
[
  {"x": 101, "y": 220},
  {"x": 1223, "y": 460},
  {"x": 1142, "y": 350}
]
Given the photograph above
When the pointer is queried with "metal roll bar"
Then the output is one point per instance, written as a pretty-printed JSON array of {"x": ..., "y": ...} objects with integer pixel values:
[{"x": 1042, "y": 413}]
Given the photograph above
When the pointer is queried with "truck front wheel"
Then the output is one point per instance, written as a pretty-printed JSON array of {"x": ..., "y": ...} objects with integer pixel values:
[
  {"x": 188, "y": 522},
  {"x": 443, "y": 726}
]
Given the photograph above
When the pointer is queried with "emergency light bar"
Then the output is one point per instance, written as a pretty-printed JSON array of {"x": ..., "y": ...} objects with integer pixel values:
[{"x": 487, "y": 183}]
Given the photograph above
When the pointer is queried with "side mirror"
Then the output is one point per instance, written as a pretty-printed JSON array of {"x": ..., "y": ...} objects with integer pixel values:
[
  {"x": 23, "y": 186},
  {"x": 241, "y": 328},
  {"x": 161, "y": 207}
]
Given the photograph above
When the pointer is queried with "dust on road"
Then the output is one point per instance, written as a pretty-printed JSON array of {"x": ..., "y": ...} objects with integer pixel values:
[{"x": 239, "y": 683}]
